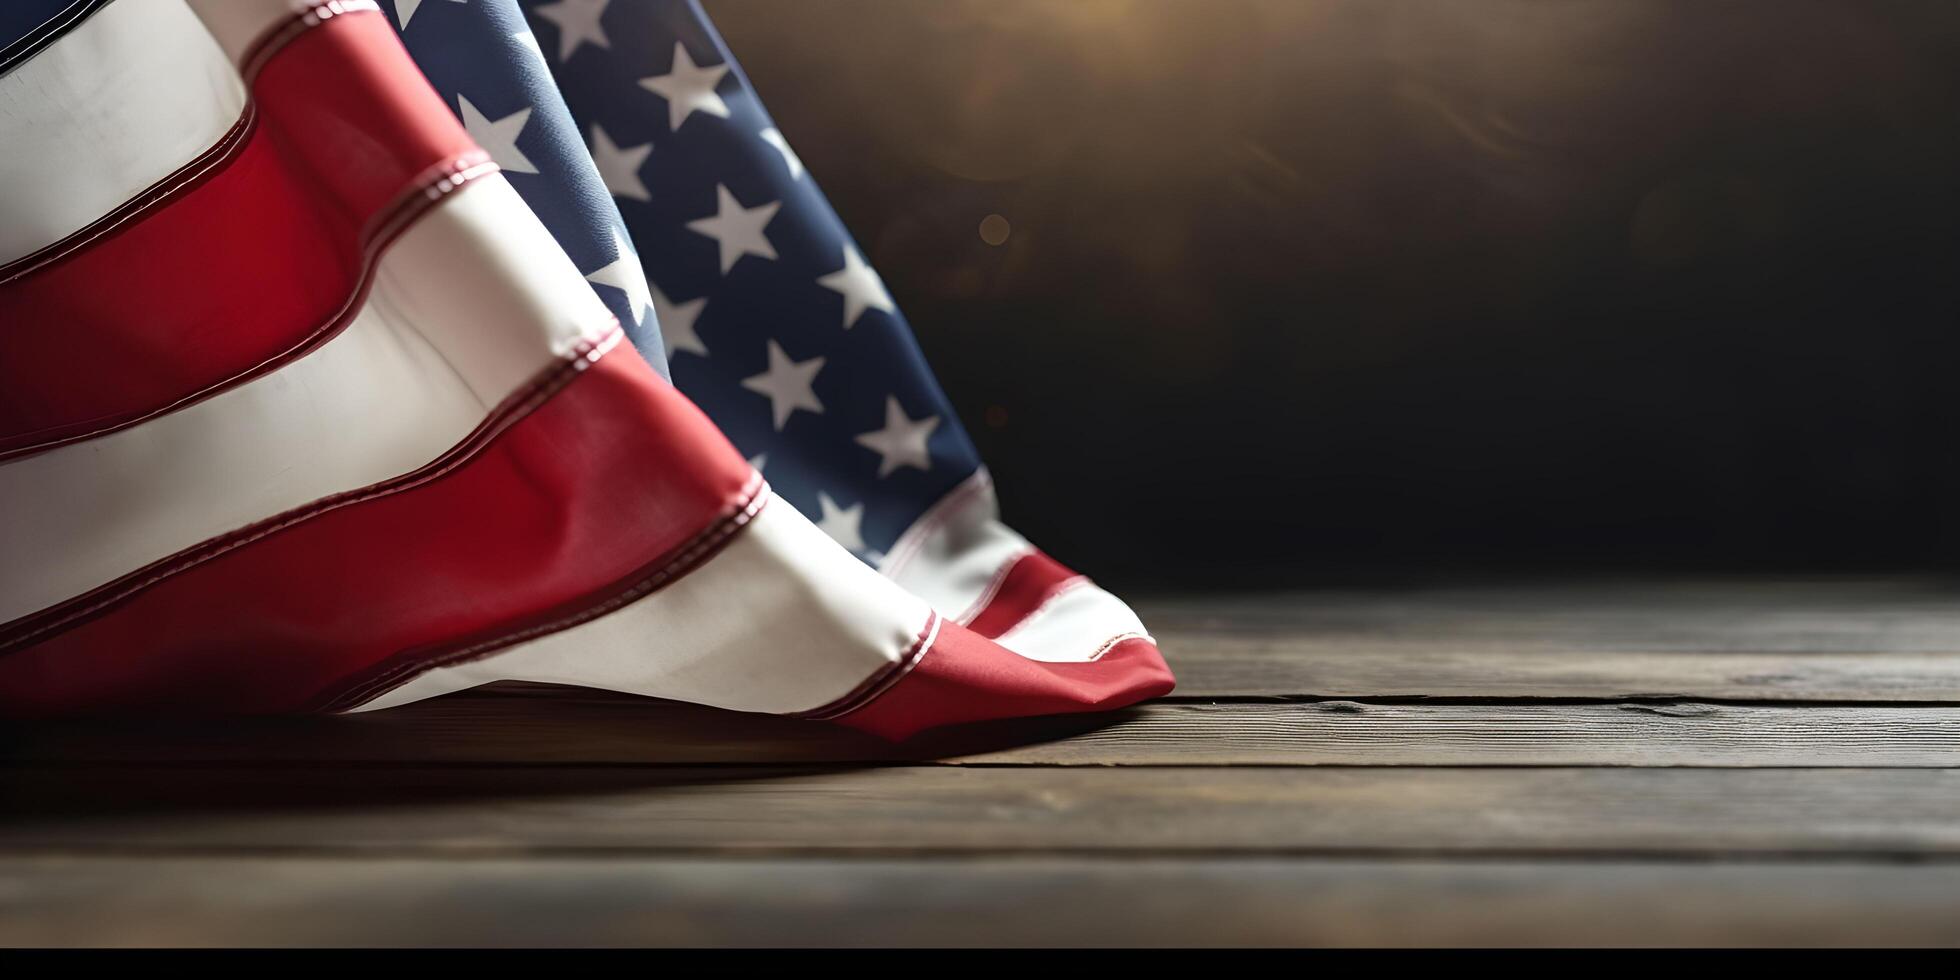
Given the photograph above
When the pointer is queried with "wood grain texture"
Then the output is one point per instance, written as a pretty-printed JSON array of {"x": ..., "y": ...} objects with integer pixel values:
[
  {"x": 119, "y": 901},
  {"x": 1883, "y": 813},
  {"x": 1664, "y": 762},
  {"x": 1845, "y": 639},
  {"x": 1211, "y": 666},
  {"x": 1911, "y": 614},
  {"x": 1349, "y": 733},
  {"x": 572, "y": 726}
]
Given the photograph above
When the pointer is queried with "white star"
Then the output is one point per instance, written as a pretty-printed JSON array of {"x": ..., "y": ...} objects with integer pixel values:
[
  {"x": 677, "y": 324},
  {"x": 688, "y": 88},
  {"x": 860, "y": 286},
  {"x": 498, "y": 137},
  {"x": 405, "y": 9},
  {"x": 787, "y": 383},
  {"x": 529, "y": 42},
  {"x": 737, "y": 229},
  {"x": 578, "y": 22},
  {"x": 841, "y": 523},
  {"x": 620, "y": 166},
  {"x": 624, "y": 273},
  {"x": 774, "y": 137},
  {"x": 902, "y": 442}
]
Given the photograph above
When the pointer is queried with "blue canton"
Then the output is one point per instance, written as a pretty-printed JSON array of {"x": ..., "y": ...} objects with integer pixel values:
[
  {"x": 483, "y": 60},
  {"x": 774, "y": 323},
  {"x": 771, "y": 319}
]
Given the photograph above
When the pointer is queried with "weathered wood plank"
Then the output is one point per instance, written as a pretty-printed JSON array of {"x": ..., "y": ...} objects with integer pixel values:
[
  {"x": 1349, "y": 733},
  {"x": 1861, "y": 639},
  {"x": 1213, "y": 665},
  {"x": 1754, "y": 615},
  {"x": 585, "y": 727},
  {"x": 623, "y": 809},
  {"x": 1066, "y": 902}
]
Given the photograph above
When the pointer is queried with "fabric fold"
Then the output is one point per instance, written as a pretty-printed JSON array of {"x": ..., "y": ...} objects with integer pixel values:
[
  {"x": 779, "y": 327},
  {"x": 357, "y": 431}
]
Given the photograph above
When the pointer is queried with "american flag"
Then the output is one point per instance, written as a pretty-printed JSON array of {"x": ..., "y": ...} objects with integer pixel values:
[
  {"x": 313, "y": 394},
  {"x": 772, "y": 320}
]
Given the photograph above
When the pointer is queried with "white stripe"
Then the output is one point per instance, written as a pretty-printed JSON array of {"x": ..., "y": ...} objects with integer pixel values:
[
  {"x": 955, "y": 556},
  {"x": 468, "y": 304},
  {"x": 781, "y": 620},
  {"x": 1079, "y": 623},
  {"x": 112, "y": 107}
]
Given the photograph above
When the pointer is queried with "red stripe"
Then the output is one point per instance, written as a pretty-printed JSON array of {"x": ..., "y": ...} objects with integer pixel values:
[
  {"x": 609, "y": 489},
  {"x": 966, "y": 677},
  {"x": 1024, "y": 585},
  {"x": 197, "y": 169},
  {"x": 153, "y": 314}
]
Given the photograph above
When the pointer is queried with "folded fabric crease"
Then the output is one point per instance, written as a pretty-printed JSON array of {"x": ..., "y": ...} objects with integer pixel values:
[{"x": 357, "y": 431}]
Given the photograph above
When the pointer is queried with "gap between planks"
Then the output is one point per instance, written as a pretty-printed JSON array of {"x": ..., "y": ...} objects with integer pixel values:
[
  {"x": 587, "y": 728},
  {"x": 1847, "y": 638}
]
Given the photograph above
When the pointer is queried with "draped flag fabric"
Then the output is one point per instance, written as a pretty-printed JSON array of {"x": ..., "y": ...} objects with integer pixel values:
[{"x": 319, "y": 389}]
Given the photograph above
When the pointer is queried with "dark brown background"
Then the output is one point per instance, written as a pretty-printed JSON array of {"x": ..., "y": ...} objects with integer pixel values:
[{"x": 1304, "y": 288}]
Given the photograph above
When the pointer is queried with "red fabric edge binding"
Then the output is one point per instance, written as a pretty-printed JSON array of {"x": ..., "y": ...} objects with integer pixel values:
[
  {"x": 966, "y": 677},
  {"x": 962, "y": 674}
]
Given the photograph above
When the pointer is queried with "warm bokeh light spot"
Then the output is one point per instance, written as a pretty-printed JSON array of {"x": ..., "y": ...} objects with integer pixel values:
[{"x": 994, "y": 229}]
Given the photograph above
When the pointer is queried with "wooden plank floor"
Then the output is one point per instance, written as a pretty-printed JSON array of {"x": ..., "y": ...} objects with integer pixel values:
[{"x": 1625, "y": 762}]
